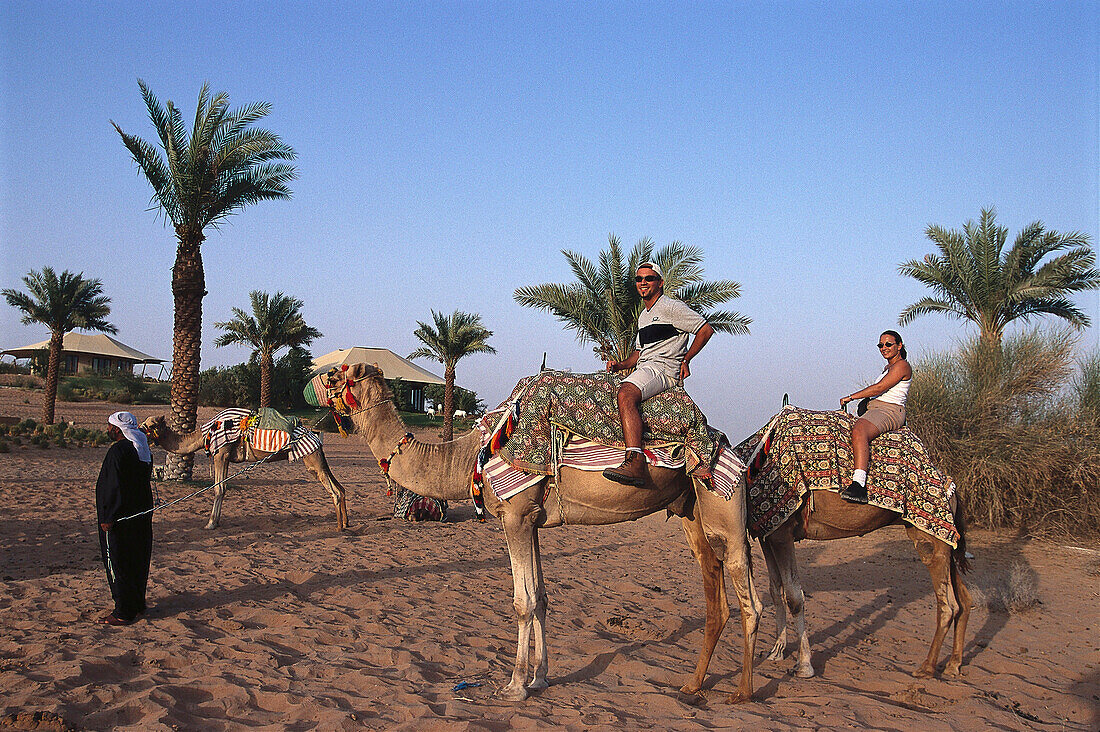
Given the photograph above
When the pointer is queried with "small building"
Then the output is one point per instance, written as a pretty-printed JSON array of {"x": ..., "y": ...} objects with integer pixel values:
[
  {"x": 83, "y": 353},
  {"x": 392, "y": 365}
]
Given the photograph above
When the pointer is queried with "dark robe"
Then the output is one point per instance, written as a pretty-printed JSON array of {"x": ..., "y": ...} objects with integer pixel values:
[{"x": 123, "y": 489}]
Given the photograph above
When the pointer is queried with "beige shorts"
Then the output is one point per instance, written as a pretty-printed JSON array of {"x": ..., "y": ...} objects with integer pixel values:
[
  {"x": 650, "y": 381},
  {"x": 885, "y": 416}
]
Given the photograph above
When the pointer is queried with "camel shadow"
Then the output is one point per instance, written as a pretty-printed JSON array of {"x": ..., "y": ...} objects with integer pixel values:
[
  {"x": 318, "y": 583},
  {"x": 995, "y": 569}
]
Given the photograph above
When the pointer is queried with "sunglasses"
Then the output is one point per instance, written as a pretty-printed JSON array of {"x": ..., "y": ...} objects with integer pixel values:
[
  {"x": 886, "y": 345},
  {"x": 647, "y": 278}
]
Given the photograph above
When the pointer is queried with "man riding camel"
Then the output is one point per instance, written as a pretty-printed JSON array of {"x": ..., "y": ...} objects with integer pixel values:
[{"x": 660, "y": 361}]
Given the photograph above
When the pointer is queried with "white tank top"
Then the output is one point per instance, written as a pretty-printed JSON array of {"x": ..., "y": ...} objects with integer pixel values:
[{"x": 896, "y": 394}]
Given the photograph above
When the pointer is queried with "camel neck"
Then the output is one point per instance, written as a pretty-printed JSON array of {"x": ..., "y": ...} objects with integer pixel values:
[{"x": 437, "y": 470}]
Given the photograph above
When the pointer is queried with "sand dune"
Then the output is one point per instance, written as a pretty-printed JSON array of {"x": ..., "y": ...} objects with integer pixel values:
[{"x": 278, "y": 621}]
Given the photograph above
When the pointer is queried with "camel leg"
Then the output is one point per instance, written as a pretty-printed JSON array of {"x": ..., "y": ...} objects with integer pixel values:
[
  {"x": 775, "y": 589},
  {"x": 519, "y": 532},
  {"x": 221, "y": 470},
  {"x": 318, "y": 465},
  {"x": 714, "y": 589},
  {"x": 936, "y": 555},
  {"x": 724, "y": 525},
  {"x": 962, "y": 597},
  {"x": 540, "y": 660},
  {"x": 780, "y": 546}
]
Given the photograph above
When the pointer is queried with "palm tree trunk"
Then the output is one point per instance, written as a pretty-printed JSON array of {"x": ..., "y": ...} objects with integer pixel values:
[
  {"x": 266, "y": 366},
  {"x": 188, "y": 289},
  {"x": 49, "y": 400},
  {"x": 449, "y": 402}
]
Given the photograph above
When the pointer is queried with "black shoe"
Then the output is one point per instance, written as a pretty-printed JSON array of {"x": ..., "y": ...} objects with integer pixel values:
[{"x": 855, "y": 493}]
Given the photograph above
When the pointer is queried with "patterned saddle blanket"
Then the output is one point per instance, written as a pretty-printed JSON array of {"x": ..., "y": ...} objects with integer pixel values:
[
  {"x": 805, "y": 450},
  {"x": 557, "y": 418},
  {"x": 265, "y": 429}
]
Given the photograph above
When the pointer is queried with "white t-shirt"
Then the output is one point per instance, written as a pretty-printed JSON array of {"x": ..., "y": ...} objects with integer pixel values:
[{"x": 663, "y": 332}]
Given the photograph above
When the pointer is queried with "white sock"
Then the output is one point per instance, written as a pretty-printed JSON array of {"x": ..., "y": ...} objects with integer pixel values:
[
  {"x": 860, "y": 476},
  {"x": 633, "y": 449}
]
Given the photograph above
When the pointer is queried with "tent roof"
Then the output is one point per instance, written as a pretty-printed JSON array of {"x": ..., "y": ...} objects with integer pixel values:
[
  {"x": 96, "y": 344},
  {"x": 392, "y": 365}
]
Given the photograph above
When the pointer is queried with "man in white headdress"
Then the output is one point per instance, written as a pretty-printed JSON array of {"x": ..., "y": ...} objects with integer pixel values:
[{"x": 123, "y": 490}]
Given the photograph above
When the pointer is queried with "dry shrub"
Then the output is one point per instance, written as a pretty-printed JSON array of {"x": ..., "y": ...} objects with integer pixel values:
[
  {"x": 1010, "y": 425},
  {"x": 1018, "y": 592}
]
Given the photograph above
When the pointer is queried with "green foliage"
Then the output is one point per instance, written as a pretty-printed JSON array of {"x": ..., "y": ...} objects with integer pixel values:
[
  {"x": 465, "y": 399},
  {"x": 1006, "y": 425},
  {"x": 239, "y": 386},
  {"x": 62, "y": 435},
  {"x": 1086, "y": 387},
  {"x": 11, "y": 367},
  {"x": 224, "y": 164},
  {"x": 974, "y": 279},
  {"x": 276, "y": 323},
  {"x": 454, "y": 337},
  {"x": 62, "y": 302},
  {"x": 121, "y": 387},
  {"x": 602, "y": 305}
]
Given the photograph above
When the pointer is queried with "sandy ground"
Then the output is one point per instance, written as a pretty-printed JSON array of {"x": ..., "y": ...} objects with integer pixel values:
[{"x": 276, "y": 620}]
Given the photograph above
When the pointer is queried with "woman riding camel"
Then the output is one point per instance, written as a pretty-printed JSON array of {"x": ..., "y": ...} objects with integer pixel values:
[{"x": 885, "y": 412}]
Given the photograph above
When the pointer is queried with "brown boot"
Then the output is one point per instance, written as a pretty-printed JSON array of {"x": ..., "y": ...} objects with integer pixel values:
[{"x": 631, "y": 472}]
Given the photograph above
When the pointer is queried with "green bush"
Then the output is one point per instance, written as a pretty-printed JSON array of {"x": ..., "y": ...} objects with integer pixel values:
[{"x": 1007, "y": 425}]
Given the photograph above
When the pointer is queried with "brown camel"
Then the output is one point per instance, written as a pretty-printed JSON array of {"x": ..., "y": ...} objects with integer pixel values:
[
  {"x": 834, "y": 518},
  {"x": 715, "y": 528},
  {"x": 163, "y": 436}
]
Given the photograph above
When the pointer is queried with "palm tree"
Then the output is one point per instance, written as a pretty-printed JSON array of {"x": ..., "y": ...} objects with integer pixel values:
[
  {"x": 276, "y": 323},
  {"x": 602, "y": 305},
  {"x": 62, "y": 304},
  {"x": 975, "y": 279},
  {"x": 454, "y": 336},
  {"x": 202, "y": 178}
]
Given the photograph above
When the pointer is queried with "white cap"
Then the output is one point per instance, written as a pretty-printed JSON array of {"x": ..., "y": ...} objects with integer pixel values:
[{"x": 654, "y": 267}]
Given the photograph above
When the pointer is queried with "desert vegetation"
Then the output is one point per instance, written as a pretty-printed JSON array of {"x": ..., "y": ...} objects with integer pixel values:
[{"x": 1018, "y": 427}]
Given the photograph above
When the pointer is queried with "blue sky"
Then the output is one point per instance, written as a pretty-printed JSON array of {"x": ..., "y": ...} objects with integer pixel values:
[{"x": 449, "y": 151}]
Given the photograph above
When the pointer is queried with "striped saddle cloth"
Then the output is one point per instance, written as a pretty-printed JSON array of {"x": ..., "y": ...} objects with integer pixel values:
[{"x": 265, "y": 430}]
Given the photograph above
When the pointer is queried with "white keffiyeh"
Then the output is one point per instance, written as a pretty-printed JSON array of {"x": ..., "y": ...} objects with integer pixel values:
[{"x": 129, "y": 426}]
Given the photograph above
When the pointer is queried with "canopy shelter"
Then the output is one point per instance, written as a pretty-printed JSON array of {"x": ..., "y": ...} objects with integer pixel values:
[
  {"x": 392, "y": 365},
  {"x": 90, "y": 353}
]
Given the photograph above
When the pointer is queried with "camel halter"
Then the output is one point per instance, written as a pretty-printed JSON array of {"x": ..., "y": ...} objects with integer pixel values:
[{"x": 342, "y": 402}]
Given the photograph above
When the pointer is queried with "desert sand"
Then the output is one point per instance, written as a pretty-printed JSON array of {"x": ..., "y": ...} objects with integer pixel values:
[{"x": 276, "y": 620}]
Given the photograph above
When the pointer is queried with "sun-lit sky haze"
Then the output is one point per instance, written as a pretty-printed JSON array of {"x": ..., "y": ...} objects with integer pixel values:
[{"x": 448, "y": 151}]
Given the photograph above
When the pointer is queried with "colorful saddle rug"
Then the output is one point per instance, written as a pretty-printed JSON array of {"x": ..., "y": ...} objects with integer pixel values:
[
  {"x": 805, "y": 450},
  {"x": 556, "y": 419},
  {"x": 410, "y": 506},
  {"x": 265, "y": 430}
]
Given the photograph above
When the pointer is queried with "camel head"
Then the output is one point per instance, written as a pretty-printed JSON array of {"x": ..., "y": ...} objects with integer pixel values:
[
  {"x": 355, "y": 387},
  {"x": 154, "y": 428}
]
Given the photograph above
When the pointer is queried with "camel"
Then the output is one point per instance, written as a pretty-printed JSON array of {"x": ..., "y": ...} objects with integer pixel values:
[
  {"x": 715, "y": 528},
  {"x": 163, "y": 436},
  {"x": 834, "y": 518}
]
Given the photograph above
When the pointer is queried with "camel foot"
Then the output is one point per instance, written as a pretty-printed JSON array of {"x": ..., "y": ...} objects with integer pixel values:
[
  {"x": 924, "y": 672},
  {"x": 804, "y": 671},
  {"x": 953, "y": 670},
  {"x": 739, "y": 697},
  {"x": 513, "y": 692},
  {"x": 210, "y": 527},
  {"x": 693, "y": 698}
]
